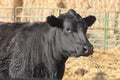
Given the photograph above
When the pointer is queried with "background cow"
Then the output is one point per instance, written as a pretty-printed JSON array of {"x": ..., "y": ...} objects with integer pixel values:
[{"x": 40, "y": 49}]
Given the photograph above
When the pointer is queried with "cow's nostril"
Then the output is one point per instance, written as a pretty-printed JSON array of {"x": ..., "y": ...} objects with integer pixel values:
[{"x": 85, "y": 49}]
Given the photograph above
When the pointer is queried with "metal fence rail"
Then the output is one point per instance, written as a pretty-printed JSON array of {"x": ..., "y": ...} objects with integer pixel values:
[{"x": 105, "y": 33}]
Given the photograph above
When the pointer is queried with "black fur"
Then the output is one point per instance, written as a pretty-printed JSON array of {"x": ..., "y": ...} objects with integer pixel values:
[
  {"x": 40, "y": 49},
  {"x": 25, "y": 79}
]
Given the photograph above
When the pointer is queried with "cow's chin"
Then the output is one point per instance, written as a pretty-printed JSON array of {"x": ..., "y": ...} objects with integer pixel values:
[{"x": 81, "y": 52}]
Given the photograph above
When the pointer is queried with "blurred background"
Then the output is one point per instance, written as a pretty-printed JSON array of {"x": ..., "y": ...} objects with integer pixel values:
[{"x": 104, "y": 64}]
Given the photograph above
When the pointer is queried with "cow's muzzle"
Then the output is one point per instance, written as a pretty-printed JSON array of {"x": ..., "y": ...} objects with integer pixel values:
[{"x": 88, "y": 50}]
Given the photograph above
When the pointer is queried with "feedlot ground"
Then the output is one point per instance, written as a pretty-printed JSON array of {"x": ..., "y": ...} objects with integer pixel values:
[{"x": 99, "y": 66}]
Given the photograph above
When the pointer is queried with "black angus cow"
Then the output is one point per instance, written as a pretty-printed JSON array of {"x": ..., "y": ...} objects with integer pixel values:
[{"x": 40, "y": 49}]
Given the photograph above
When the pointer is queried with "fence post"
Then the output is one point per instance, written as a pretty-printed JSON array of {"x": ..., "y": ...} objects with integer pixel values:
[
  {"x": 14, "y": 14},
  {"x": 106, "y": 30},
  {"x": 59, "y": 12}
]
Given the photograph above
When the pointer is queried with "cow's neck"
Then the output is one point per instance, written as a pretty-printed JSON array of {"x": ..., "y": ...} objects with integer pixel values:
[
  {"x": 48, "y": 58},
  {"x": 54, "y": 43}
]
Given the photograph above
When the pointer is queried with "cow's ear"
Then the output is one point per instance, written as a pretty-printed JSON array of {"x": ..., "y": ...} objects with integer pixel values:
[
  {"x": 90, "y": 20},
  {"x": 54, "y": 22}
]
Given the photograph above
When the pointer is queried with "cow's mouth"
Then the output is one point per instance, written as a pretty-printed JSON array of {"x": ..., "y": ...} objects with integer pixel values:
[{"x": 82, "y": 51}]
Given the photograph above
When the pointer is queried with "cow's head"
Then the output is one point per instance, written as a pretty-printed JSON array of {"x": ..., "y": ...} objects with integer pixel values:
[{"x": 74, "y": 41}]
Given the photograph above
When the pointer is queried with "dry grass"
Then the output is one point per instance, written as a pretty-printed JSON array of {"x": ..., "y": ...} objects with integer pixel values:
[{"x": 100, "y": 66}]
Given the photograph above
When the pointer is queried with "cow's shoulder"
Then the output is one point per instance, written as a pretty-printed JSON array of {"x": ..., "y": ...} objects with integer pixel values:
[{"x": 33, "y": 27}]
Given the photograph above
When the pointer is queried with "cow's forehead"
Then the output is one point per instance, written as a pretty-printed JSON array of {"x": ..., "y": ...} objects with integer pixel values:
[{"x": 75, "y": 16}]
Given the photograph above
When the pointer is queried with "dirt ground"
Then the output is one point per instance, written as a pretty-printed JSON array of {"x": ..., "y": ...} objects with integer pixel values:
[{"x": 99, "y": 66}]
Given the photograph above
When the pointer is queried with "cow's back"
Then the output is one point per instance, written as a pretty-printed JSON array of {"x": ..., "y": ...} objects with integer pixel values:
[{"x": 7, "y": 32}]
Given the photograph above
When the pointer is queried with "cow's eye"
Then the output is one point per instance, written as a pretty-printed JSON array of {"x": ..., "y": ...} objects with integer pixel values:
[{"x": 69, "y": 30}]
